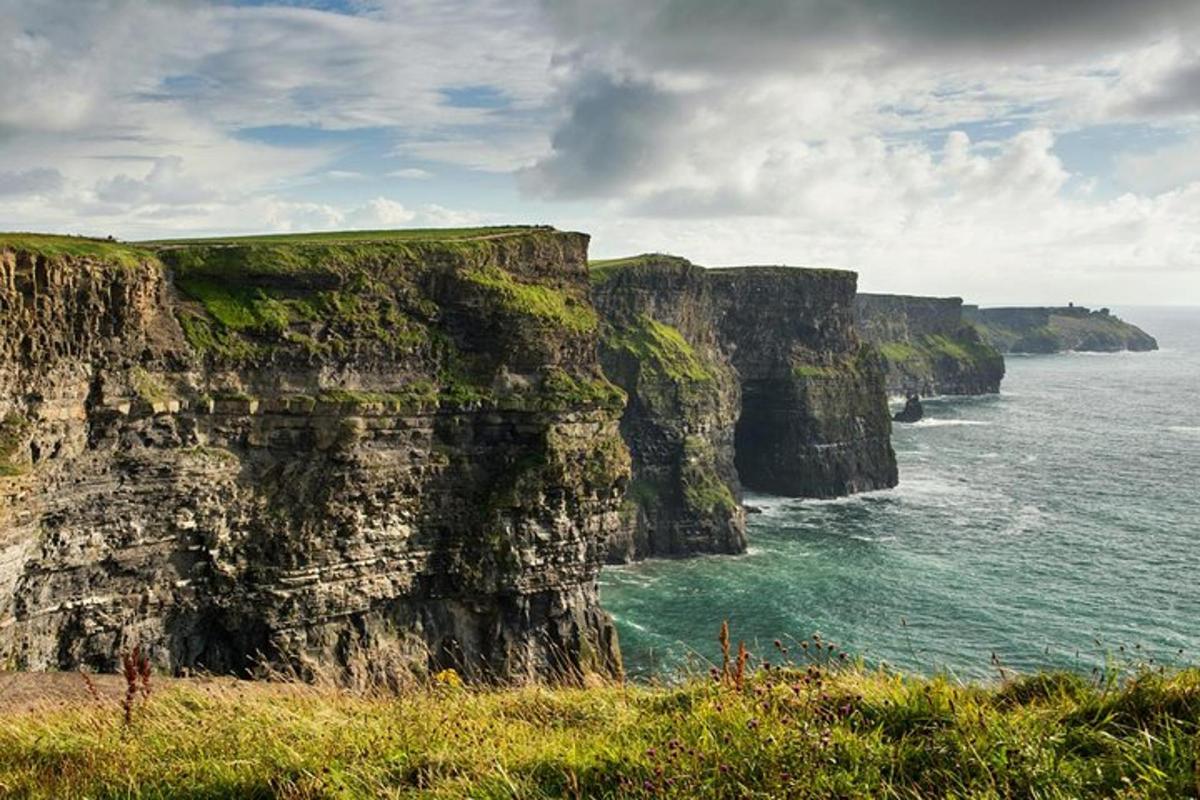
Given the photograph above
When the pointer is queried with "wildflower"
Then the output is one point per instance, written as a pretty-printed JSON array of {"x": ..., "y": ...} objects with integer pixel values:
[{"x": 448, "y": 678}]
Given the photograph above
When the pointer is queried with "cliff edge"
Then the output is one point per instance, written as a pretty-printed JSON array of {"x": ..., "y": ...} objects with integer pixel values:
[
  {"x": 1057, "y": 329},
  {"x": 748, "y": 376},
  {"x": 928, "y": 347},
  {"x": 355, "y": 450}
]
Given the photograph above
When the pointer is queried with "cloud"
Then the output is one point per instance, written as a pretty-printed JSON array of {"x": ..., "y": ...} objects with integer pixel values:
[
  {"x": 617, "y": 132},
  {"x": 752, "y": 35},
  {"x": 39, "y": 180},
  {"x": 165, "y": 184},
  {"x": 411, "y": 174},
  {"x": 1178, "y": 92},
  {"x": 1163, "y": 169}
]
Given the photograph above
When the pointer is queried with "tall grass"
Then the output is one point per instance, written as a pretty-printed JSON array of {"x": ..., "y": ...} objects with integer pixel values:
[{"x": 826, "y": 727}]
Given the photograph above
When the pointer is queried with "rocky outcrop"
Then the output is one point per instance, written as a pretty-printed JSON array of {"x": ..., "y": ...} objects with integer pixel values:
[
  {"x": 1056, "y": 330},
  {"x": 307, "y": 453},
  {"x": 927, "y": 346},
  {"x": 913, "y": 411},
  {"x": 750, "y": 375},
  {"x": 814, "y": 419},
  {"x": 659, "y": 343}
]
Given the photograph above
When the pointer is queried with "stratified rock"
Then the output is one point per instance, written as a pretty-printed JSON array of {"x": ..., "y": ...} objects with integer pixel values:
[
  {"x": 749, "y": 375},
  {"x": 315, "y": 455},
  {"x": 1056, "y": 330},
  {"x": 814, "y": 420},
  {"x": 659, "y": 344},
  {"x": 913, "y": 411},
  {"x": 927, "y": 346}
]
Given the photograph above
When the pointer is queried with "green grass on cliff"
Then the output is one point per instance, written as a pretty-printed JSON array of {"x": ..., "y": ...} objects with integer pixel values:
[
  {"x": 54, "y": 246},
  {"x": 535, "y": 300},
  {"x": 924, "y": 352},
  {"x": 339, "y": 237},
  {"x": 601, "y": 270},
  {"x": 820, "y": 732},
  {"x": 660, "y": 347}
]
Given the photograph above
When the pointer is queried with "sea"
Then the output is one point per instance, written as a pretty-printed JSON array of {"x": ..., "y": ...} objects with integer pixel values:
[{"x": 1053, "y": 526}]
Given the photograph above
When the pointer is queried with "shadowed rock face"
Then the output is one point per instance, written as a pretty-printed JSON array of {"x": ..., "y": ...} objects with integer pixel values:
[
  {"x": 1056, "y": 330},
  {"x": 927, "y": 346},
  {"x": 307, "y": 455},
  {"x": 749, "y": 376},
  {"x": 814, "y": 420},
  {"x": 660, "y": 344}
]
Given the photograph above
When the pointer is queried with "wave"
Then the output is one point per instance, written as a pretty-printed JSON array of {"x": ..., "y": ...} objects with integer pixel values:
[
  {"x": 947, "y": 423},
  {"x": 1186, "y": 430}
]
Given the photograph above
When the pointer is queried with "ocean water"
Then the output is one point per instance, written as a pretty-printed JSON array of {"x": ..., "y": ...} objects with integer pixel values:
[{"x": 1051, "y": 525}]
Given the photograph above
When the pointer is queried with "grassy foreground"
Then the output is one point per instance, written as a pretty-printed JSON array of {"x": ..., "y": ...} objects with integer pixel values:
[{"x": 815, "y": 732}]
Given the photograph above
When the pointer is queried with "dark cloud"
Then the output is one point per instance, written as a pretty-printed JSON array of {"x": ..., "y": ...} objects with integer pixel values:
[
  {"x": 624, "y": 134},
  {"x": 614, "y": 134},
  {"x": 31, "y": 181},
  {"x": 1179, "y": 93},
  {"x": 748, "y": 34}
]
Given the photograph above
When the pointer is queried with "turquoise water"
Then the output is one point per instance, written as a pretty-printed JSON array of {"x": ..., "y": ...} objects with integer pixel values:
[{"x": 1050, "y": 525}]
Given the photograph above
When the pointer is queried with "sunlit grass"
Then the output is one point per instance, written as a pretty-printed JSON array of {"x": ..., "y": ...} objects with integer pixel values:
[{"x": 820, "y": 731}]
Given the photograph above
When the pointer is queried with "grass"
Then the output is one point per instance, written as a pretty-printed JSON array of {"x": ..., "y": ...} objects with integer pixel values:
[
  {"x": 55, "y": 246},
  {"x": 338, "y": 237},
  {"x": 924, "y": 352},
  {"x": 661, "y": 348},
  {"x": 703, "y": 489},
  {"x": 535, "y": 300},
  {"x": 601, "y": 270},
  {"x": 799, "y": 731}
]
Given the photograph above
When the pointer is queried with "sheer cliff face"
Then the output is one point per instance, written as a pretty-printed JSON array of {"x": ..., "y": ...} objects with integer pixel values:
[
  {"x": 307, "y": 454},
  {"x": 814, "y": 419},
  {"x": 927, "y": 346},
  {"x": 660, "y": 345},
  {"x": 1055, "y": 330},
  {"x": 749, "y": 376}
]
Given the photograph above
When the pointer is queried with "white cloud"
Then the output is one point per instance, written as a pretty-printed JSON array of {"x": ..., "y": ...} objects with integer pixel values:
[
  {"x": 913, "y": 139},
  {"x": 1162, "y": 169},
  {"x": 411, "y": 174}
]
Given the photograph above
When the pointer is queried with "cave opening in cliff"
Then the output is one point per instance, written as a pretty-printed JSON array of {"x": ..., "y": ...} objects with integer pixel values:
[{"x": 759, "y": 443}]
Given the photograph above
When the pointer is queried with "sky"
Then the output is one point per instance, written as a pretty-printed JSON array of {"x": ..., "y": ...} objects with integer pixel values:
[{"x": 1025, "y": 151}]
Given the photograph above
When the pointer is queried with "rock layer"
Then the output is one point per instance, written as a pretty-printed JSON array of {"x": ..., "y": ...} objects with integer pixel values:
[
  {"x": 750, "y": 375},
  {"x": 660, "y": 344},
  {"x": 1055, "y": 330},
  {"x": 814, "y": 420},
  {"x": 305, "y": 454},
  {"x": 928, "y": 347}
]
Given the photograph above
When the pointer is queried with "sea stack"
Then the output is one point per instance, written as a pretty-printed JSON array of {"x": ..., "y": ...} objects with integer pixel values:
[{"x": 913, "y": 411}]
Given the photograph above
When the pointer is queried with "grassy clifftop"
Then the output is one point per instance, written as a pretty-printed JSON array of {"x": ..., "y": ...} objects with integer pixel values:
[
  {"x": 55, "y": 246},
  {"x": 1054, "y": 330},
  {"x": 815, "y": 732}
]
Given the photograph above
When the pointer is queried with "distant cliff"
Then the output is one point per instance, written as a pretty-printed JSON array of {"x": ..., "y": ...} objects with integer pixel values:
[
  {"x": 333, "y": 451},
  {"x": 1057, "y": 329},
  {"x": 927, "y": 345},
  {"x": 736, "y": 376}
]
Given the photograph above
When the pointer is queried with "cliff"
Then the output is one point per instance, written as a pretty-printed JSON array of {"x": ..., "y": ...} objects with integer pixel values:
[
  {"x": 1057, "y": 329},
  {"x": 659, "y": 343},
  {"x": 751, "y": 375},
  {"x": 814, "y": 419},
  {"x": 927, "y": 346},
  {"x": 353, "y": 450}
]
